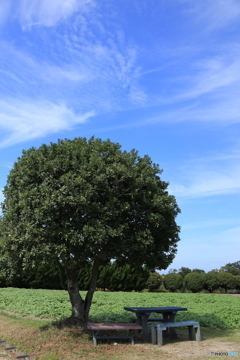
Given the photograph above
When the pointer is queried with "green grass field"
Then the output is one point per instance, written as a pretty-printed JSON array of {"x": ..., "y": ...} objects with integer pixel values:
[{"x": 211, "y": 310}]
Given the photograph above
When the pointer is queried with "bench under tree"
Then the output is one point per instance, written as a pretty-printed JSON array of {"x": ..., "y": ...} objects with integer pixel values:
[{"x": 99, "y": 327}]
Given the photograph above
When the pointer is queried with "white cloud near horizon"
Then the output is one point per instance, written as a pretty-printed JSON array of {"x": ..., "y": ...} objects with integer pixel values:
[
  {"x": 25, "y": 120},
  {"x": 194, "y": 253}
]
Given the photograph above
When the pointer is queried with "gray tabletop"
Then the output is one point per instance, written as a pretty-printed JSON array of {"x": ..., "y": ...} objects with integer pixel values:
[{"x": 145, "y": 310}]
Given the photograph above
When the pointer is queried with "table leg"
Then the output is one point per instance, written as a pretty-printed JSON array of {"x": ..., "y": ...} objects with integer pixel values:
[
  {"x": 145, "y": 327},
  {"x": 170, "y": 317},
  {"x": 139, "y": 319},
  {"x": 142, "y": 319}
]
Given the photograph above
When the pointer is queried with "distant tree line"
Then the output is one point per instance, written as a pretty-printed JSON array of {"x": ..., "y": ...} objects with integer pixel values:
[
  {"x": 117, "y": 277},
  {"x": 224, "y": 279}
]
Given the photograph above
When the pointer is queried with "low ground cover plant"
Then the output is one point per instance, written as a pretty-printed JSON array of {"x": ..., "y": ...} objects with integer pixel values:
[{"x": 211, "y": 310}]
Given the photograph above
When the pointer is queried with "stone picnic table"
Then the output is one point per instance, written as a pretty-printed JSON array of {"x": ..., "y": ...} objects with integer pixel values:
[{"x": 143, "y": 314}]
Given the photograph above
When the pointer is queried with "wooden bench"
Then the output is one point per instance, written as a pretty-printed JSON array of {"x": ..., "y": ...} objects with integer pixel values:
[
  {"x": 96, "y": 327},
  {"x": 158, "y": 328}
]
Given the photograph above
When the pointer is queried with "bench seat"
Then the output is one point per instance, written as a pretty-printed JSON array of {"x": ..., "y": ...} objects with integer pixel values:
[
  {"x": 96, "y": 327},
  {"x": 158, "y": 328}
]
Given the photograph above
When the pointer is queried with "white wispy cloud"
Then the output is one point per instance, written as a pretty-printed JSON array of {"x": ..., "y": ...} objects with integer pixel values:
[
  {"x": 86, "y": 67},
  {"x": 231, "y": 237},
  {"x": 212, "y": 15},
  {"x": 96, "y": 75},
  {"x": 213, "y": 175},
  {"x": 212, "y": 74},
  {"x": 208, "y": 184},
  {"x": 25, "y": 120},
  {"x": 40, "y": 12},
  {"x": 216, "y": 223},
  {"x": 5, "y": 9},
  {"x": 208, "y": 91},
  {"x": 96, "y": 66}
]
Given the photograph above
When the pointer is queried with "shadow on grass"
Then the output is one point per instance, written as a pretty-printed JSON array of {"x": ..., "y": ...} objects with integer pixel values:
[{"x": 66, "y": 323}]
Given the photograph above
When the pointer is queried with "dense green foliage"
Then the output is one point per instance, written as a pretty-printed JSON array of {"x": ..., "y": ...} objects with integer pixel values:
[
  {"x": 154, "y": 281},
  {"x": 122, "y": 277},
  {"x": 173, "y": 282},
  {"x": 113, "y": 276},
  {"x": 212, "y": 281},
  {"x": 194, "y": 281},
  {"x": 79, "y": 201},
  {"x": 232, "y": 268},
  {"x": 211, "y": 310},
  {"x": 227, "y": 280},
  {"x": 223, "y": 279},
  {"x": 237, "y": 282},
  {"x": 183, "y": 271}
]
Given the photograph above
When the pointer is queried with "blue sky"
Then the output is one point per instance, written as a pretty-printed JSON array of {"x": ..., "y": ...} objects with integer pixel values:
[{"x": 159, "y": 76}]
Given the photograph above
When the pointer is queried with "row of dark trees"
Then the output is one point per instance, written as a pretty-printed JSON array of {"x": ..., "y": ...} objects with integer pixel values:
[
  {"x": 196, "y": 280},
  {"x": 112, "y": 276},
  {"x": 117, "y": 277},
  {"x": 199, "y": 281}
]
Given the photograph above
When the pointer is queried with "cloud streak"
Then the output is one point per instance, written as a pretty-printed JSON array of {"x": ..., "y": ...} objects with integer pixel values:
[
  {"x": 212, "y": 15},
  {"x": 216, "y": 223},
  {"x": 29, "y": 120},
  {"x": 40, "y": 12},
  {"x": 211, "y": 176}
]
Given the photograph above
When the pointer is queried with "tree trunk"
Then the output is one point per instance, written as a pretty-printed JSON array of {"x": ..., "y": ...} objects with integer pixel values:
[
  {"x": 92, "y": 288},
  {"x": 62, "y": 276},
  {"x": 75, "y": 297},
  {"x": 80, "y": 307}
]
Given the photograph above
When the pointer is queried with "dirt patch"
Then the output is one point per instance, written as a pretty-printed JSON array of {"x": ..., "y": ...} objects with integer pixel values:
[{"x": 204, "y": 349}]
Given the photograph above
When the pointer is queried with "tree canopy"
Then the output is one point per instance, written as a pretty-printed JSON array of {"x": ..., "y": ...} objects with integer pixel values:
[
  {"x": 173, "y": 281},
  {"x": 232, "y": 268},
  {"x": 194, "y": 281},
  {"x": 86, "y": 201}
]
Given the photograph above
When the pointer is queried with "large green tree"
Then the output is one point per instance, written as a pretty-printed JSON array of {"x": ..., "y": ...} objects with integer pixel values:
[
  {"x": 154, "y": 281},
  {"x": 80, "y": 201},
  {"x": 194, "y": 281},
  {"x": 173, "y": 282},
  {"x": 227, "y": 280},
  {"x": 212, "y": 281}
]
